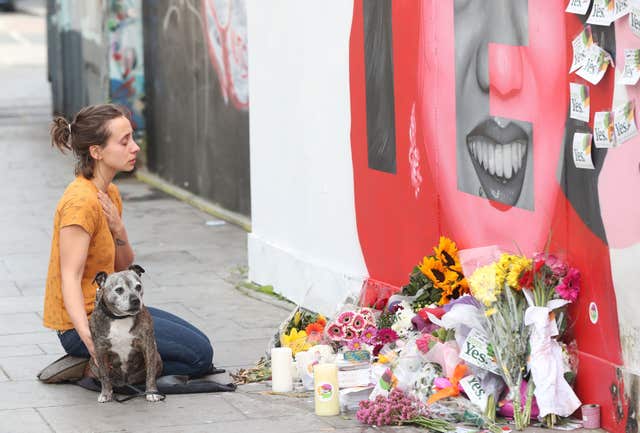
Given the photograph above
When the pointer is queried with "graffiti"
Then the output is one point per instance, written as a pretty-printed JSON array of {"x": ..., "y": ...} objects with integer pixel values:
[
  {"x": 126, "y": 59},
  {"x": 225, "y": 29}
]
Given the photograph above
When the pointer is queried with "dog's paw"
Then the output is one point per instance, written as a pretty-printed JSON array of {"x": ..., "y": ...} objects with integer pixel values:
[
  {"x": 105, "y": 397},
  {"x": 154, "y": 397}
]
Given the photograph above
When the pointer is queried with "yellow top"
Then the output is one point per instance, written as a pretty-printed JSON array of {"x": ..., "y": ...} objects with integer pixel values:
[{"x": 80, "y": 206}]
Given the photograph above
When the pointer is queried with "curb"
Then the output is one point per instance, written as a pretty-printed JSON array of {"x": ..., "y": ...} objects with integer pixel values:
[{"x": 194, "y": 200}]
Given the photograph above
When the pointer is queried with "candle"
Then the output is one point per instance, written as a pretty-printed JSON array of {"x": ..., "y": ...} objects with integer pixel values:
[
  {"x": 325, "y": 381},
  {"x": 591, "y": 416},
  {"x": 281, "y": 379}
]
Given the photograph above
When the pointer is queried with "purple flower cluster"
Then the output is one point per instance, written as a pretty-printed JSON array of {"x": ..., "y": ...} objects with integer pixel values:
[{"x": 391, "y": 410}]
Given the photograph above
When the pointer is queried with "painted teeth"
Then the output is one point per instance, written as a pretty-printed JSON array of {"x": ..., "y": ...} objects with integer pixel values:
[{"x": 502, "y": 160}]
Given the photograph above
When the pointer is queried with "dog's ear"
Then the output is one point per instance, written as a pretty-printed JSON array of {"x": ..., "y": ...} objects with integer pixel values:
[
  {"x": 137, "y": 269},
  {"x": 100, "y": 278}
]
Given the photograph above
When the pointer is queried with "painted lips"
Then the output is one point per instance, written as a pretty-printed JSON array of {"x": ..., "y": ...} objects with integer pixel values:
[{"x": 499, "y": 155}]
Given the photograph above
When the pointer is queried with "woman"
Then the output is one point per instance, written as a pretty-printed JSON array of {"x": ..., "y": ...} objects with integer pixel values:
[{"x": 89, "y": 236}]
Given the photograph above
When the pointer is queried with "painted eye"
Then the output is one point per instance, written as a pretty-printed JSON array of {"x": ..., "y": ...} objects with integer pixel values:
[
  {"x": 119, "y": 290},
  {"x": 138, "y": 287}
]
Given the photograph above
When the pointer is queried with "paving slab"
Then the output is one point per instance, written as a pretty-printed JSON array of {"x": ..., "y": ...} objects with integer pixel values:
[
  {"x": 138, "y": 414},
  {"x": 26, "y": 367},
  {"x": 23, "y": 421},
  {"x": 20, "y": 304},
  {"x": 25, "y": 394},
  {"x": 20, "y": 323}
]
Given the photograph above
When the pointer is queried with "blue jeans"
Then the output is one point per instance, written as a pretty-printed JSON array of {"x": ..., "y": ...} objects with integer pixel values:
[{"x": 184, "y": 349}]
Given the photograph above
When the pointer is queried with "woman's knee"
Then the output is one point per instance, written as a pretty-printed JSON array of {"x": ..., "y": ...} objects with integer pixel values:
[{"x": 204, "y": 359}]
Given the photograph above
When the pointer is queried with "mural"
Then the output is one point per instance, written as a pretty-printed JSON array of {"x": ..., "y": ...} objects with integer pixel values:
[
  {"x": 126, "y": 57},
  {"x": 225, "y": 28},
  {"x": 197, "y": 112},
  {"x": 483, "y": 154}
]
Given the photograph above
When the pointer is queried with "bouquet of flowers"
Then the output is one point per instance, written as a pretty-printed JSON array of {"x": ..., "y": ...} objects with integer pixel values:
[
  {"x": 495, "y": 283},
  {"x": 399, "y": 408},
  {"x": 353, "y": 328},
  {"x": 550, "y": 284},
  {"x": 438, "y": 278},
  {"x": 301, "y": 330}
]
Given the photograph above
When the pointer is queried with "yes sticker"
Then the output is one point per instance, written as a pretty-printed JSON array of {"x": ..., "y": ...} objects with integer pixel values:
[
  {"x": 579, "y": 102},
  {"x": 624, "y": 122},
  {"x": 582, "y": 150},
  {"x": 603, "y": 132},
  {"x": 631, "y": 70},
  {"x": 602, "y": 12},
  {"x": 579, "y": 7},
  {"x": 581, "y": 45}
]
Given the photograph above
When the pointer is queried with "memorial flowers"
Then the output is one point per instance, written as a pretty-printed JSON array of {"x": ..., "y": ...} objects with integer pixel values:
[{"x": 438, "y": 278}]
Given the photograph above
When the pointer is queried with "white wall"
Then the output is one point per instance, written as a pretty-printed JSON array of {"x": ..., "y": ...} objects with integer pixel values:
[{"x": 304, "y": 240}]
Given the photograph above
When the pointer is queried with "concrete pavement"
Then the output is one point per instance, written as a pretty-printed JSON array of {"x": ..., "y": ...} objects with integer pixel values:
[{"x": 191, "y": 269}]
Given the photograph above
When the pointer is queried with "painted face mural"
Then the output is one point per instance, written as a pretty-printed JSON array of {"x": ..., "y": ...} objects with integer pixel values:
[
  {"x": 509, "y": 108},
  {"x": 493, "y": 154}
]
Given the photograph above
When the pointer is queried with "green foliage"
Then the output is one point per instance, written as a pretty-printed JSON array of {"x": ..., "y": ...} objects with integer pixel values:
[
  {"x": 385, "y": 320},
  {"x": 418, "y": 282}
]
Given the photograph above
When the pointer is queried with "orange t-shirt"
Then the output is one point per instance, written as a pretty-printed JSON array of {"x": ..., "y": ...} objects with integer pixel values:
[{"x": 80, "y": 206}]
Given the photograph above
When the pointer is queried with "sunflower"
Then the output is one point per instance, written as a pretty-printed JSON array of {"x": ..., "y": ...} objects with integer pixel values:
[
  {"x": 446, "y": 251},
  {"x": 435, "y": 270}
]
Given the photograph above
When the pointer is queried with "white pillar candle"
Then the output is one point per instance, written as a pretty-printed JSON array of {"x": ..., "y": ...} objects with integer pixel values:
[
  {"x": 325, "y": 380},
  {"x": 281, "y": 379}
]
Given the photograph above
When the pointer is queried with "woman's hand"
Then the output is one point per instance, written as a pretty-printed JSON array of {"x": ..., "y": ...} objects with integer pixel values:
[{"x": 111, "y": 212}]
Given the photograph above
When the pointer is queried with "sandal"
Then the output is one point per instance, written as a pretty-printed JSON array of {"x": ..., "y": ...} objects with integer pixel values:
[{"x": 65, "y": 369}]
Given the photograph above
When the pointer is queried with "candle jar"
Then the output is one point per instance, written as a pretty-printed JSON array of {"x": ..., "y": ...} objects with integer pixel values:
[
  {"x": 326, "y": 393},
  {"x": 281, "y": 378}
]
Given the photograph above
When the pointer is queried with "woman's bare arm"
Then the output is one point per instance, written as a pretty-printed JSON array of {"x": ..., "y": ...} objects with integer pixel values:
[
  {"x": 124, "y": 252},
  {"x": 74, "y": 246}
]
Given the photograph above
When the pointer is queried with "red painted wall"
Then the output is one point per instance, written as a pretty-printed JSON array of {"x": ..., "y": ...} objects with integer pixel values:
[{"x": 455, "y": 65}]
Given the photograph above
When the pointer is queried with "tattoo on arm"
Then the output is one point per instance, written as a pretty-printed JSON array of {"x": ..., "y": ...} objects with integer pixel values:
[{"x": 120, "y": 242}]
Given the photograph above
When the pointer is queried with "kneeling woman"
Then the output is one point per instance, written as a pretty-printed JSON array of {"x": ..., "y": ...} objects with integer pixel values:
[{"x": 89, "y": 236}]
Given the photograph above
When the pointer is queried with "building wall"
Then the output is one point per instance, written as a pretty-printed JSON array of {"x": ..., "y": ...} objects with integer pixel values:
[
  {"x": 126, "y": 58},
  {"x": 77, "y": 54},
  {"x": 196, "y": 97},
  {"x": 384, "y": 113}
]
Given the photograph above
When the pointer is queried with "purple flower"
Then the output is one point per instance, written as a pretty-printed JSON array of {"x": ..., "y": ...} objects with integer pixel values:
[
  {"x": 355, "y": 344},
  {"x": 368, "y": 335},
  {"x": 569, "y": 288}
]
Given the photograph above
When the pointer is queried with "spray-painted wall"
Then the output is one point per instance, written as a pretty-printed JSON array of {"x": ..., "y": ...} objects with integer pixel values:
[
  {"x": 95, "y": 55},
  {"x": 126, "y": 58},
  {"x": 197, "y": 100},
  {"x": 77, "y": 54},
  {"x": 410, "y": 110}
]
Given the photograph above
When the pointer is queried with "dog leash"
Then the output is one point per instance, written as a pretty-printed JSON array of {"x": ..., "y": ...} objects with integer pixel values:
[{"x": 139, "y": 393}]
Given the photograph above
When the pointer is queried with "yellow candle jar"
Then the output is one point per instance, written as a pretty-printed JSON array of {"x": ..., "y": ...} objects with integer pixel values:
[{"x": 325, "y": 380}]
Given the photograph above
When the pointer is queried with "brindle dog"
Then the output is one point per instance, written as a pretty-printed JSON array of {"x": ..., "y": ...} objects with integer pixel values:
[{"x": 122, "y": 332}]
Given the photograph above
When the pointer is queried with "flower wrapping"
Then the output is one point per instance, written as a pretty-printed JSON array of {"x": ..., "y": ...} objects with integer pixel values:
[{"x": 553, "y": 393}]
